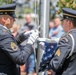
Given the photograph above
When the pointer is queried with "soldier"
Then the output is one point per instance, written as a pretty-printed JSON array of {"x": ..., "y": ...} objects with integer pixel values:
[
  {"x": 11, "y": 52},
  {"x": 64, "y": 60}
]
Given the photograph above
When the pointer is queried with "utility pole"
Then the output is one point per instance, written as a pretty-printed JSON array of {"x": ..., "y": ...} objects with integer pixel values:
[{"x": 44, "y": 22}]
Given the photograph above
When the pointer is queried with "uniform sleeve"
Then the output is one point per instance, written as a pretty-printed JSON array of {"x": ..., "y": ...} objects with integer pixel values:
[
  {"x": 63, "y": 50},
  {"x": 16, "y": 53}
]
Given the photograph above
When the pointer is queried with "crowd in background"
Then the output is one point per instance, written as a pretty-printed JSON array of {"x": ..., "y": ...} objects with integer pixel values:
[{"x": 55, "y": 28}]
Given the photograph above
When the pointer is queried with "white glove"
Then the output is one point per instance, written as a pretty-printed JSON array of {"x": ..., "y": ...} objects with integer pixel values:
[{"x": 33, "y": 37}]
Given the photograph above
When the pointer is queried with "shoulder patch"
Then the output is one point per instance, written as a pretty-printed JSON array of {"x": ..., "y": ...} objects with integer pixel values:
[
  {"x": 14, "y": 46},
  {"x": 58, "y": 52}
]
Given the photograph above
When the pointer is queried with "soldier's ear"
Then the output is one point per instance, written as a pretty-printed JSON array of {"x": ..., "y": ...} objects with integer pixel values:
[
  {"x": 3, "y": 19},
  {"x": 69, "y": 22}
]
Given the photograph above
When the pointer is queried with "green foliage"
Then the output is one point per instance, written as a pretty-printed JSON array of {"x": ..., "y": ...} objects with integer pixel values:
[
  {"x": 9, "y": 1},
  {"x": 2, "y": 2},
  {"x": 66, "y": 3},
  {"x": 20, "y": 17},
  {"x": 28, "y": 10}
]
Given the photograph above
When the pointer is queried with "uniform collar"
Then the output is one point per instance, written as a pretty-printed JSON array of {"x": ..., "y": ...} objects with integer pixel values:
[
  {"x": 4, "y": 27},
  {"x": 74, "y": 29}
]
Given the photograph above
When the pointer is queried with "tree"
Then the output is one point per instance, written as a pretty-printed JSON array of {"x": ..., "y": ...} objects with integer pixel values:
[
  {"x": 2, "y": 2},
  {"x": 66, "y": 3}
]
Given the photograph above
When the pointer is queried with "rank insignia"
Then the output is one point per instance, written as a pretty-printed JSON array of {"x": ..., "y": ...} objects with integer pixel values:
[{"x": 58, "y": 52}]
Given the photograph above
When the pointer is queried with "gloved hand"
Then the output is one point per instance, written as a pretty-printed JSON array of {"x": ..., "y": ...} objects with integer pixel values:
[
  {"x": 33, "y": 37},
  {"x": 24, "y": 36}
]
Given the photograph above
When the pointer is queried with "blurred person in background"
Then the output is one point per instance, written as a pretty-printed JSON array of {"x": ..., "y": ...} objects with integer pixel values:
[
  {"x": 15, "y": 33},
  {"x": 29, "y": 24},
  {"x": 51, "y": 27},
  {"x": 14, "y": 30},
  {"x": 57, "y": 31},
  {"x": 30, "y": 64}
]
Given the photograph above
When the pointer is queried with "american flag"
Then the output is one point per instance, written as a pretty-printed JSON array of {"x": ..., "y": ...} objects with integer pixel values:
[{"x": 49, "y": 51}]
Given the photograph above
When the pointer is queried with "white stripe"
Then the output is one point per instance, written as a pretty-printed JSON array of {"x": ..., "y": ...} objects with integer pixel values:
[{"x": 71, "y": 52}]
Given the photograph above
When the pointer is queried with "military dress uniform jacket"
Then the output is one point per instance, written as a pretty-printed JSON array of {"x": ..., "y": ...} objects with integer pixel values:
[
  {"x": 61, "y": 63},
  {"x": 11, "y": 53}
]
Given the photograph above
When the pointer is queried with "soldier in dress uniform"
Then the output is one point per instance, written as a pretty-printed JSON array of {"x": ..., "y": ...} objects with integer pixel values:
[
  {"x": 11, "y": 52},
  {"x": 64, "y": 60}
]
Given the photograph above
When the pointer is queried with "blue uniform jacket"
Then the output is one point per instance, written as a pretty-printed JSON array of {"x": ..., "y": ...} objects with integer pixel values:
[
  {"x": 11, "y": 54},
  {"x": 60, "y": 63}
]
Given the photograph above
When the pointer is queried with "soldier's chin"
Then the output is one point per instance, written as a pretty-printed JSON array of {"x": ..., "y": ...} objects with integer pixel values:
[{"x": 9, "y": 26}]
